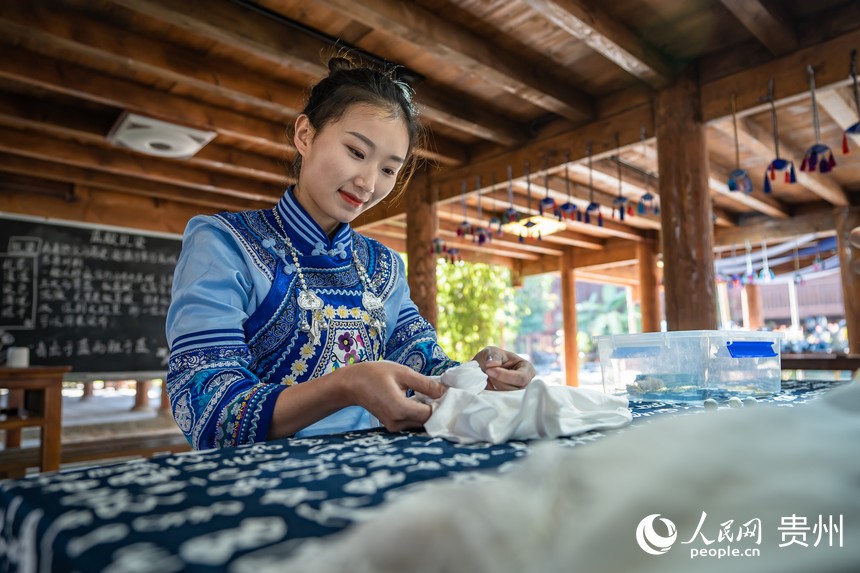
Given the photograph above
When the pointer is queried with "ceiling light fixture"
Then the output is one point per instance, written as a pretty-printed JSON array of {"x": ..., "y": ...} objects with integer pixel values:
[{"x": 158, "y": 138}]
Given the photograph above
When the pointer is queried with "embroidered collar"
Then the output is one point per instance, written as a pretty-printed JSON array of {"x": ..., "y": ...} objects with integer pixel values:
[{"x": 306, "y": 234}]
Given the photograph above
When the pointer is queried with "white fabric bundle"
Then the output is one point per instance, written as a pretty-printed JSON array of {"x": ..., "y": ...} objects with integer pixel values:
[{"x": 468, "y": 413}]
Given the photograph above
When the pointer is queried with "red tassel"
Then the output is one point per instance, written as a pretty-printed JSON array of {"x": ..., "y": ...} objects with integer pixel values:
[
  {"x": 787, "y": 177},
  {"x": 772, "y": 173},
  {"x": 831, "y": 162},
  {"x": 803, "y": 165},
  {"x": 845, "y": 148}
]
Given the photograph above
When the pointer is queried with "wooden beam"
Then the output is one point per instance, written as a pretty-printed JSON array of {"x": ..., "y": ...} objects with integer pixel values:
[
  {"x": 60, "y": 32},
  {"x": 830, "y": 59},
  {"x": 837, "y": 107},
  {"x": 105, "y": 208},
  {"x": 817, "y": 222},
  {"x": 91, "y": 178},
  {"x": 63, "y": 77},
  {"x": 468, "y": 117},
  {"x": 608, "y": 37},
  {"x": 245, "y": 31},
  {"x": 458, "y": 46},
  {"x": 621, "y": 276},
  {"x": 541, "y": 266},
  {"x": 685, "y": 205},
  {"x": 122, "y": 162},
  {"x": 621, "y": 253},
  {"x": 626, "y": 124},
  {"x": 54, "y": 120},
  {"x": 769, "y": 26}
]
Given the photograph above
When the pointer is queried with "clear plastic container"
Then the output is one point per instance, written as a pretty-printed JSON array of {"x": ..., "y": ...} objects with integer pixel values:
[{"x": 690, "y": 365}]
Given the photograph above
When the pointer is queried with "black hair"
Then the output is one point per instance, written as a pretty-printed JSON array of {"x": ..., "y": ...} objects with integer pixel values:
[{"x": 349, "y": 84}]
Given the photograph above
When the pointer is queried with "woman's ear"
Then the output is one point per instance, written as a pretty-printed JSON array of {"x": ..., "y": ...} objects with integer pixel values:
[{"x": 303, "y": 134}]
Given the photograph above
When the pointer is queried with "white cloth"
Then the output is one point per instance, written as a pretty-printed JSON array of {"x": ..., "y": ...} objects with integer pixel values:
[
  {"x": 577, "y": 509},
  {"x": 468, "y": 413}
]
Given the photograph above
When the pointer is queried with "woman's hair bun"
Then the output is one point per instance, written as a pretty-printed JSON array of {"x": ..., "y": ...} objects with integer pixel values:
[{"x": 338, "y": 63}]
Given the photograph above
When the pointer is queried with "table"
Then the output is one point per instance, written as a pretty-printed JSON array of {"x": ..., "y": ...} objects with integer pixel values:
[
  {"x": 35, "y": 400},
  {"x": 811, "y": 361},
  {"x": 201, "y": 511}
]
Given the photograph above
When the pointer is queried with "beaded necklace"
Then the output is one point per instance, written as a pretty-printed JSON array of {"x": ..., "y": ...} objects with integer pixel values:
[{"x": 310, "y": 302}]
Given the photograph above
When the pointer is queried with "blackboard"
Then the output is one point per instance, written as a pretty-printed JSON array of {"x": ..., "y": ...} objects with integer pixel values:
[{"x": 92, "y": 297}]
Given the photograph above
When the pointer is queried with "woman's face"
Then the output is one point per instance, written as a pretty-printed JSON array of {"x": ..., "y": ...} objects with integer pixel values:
[{"x": 349, "y": 165}]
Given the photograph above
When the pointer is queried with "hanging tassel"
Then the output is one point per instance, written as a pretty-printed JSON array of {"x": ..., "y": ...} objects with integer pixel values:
[
  {"x": 579, "y": 216},
  {"x": 845, "y": 148},
  {"x": 587, "y": 218},
  {"x": 621, "y": 213},
  {"x": 630, "y": 210},
  {"x": 600, "y": 219},
  {"x": 766, "y": 184},
  {"x": 793, "y": 178}
]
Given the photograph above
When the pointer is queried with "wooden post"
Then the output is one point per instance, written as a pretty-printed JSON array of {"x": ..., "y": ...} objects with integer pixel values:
[
  {"x": 752, "y": 307},
  {"x": 420, "y": 230},
  {"x": 141, "y": 396},
  {"x": 649, "y": 292},
  {"x": 164, "y": 406},
  {"x": 848, "y": 219},
  {"x": 685, "y": 208},
  {"x": 568, "y": 312}
]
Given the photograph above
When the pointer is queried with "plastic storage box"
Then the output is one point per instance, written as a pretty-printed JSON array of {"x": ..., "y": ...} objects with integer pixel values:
[{"x": 690, "y": 365}]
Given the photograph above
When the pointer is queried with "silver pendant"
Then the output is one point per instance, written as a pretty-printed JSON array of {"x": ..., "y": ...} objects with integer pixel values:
[
  {"x": 308, "y": 300},
  {"x": 370, "y": 301},
  {"x": 315, "y": 333}
]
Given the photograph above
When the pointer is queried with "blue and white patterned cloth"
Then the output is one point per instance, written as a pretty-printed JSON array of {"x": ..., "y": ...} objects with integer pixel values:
[
  {"x": 233, "y": 323},
  {"x": 235, "y": 509}
]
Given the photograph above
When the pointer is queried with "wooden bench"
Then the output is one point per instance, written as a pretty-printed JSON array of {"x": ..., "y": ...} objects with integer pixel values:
[{"x": 12, "y": 461}]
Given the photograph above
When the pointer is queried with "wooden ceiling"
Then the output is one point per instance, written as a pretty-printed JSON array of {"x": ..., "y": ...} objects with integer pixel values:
[{"x": 500, "y": 83}]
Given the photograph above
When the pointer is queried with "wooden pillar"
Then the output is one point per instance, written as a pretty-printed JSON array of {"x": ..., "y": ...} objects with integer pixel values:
[
  {"x": 420, "y": 230},
  {"x": 752, "y": 307},
  {"x": 685, "y": 208},
  {"x": 649, "y": 292},
  {"x": 141, "y": 395},
  {"x": 847, "y": 220},
  {"x": 164, "y": 406},
  {"x": 568, "y": 313}
]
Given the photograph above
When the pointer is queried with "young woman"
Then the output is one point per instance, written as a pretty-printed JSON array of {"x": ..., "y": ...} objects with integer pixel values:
[{"x": 270, "y": 307}]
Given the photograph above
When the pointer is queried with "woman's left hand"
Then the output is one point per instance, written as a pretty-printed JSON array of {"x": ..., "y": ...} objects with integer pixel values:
[{"x": 505, "y": 370}]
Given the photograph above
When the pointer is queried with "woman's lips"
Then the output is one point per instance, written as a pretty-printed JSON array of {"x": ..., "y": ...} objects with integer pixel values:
[{"x": 350, "y": 199}]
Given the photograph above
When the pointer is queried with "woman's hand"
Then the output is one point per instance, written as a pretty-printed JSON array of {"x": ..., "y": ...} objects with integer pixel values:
[
  {"x": 380, "y": 388},
  {"x": 505, "y": 370}
]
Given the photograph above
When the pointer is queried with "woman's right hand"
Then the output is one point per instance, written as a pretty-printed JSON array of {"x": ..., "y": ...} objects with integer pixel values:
[{"x": 380, "y": 388}]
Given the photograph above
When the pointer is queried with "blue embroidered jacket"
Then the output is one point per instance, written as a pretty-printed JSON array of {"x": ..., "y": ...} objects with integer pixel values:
[{"x": 234, "y": 323}]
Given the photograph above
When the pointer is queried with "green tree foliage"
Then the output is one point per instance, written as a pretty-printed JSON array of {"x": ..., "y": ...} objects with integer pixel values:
[
  {"x": 536, "y": 298},
  {"x": 476, "y": 308},
  {"x": 603, "y": 314}
]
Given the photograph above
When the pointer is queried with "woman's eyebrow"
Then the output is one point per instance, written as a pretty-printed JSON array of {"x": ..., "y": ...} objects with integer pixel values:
[{"x": 372, "y": 145}]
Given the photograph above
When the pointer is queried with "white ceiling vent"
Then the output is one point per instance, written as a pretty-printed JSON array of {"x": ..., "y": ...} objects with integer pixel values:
[{"x": 158, "y": 138}]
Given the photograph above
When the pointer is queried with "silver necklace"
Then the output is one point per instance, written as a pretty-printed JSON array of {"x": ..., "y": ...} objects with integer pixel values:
[{"x": 311, "y": 303}]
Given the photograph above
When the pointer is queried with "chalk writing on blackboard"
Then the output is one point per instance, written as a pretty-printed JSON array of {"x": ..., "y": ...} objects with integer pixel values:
[{"x": 95, "y": 298}]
